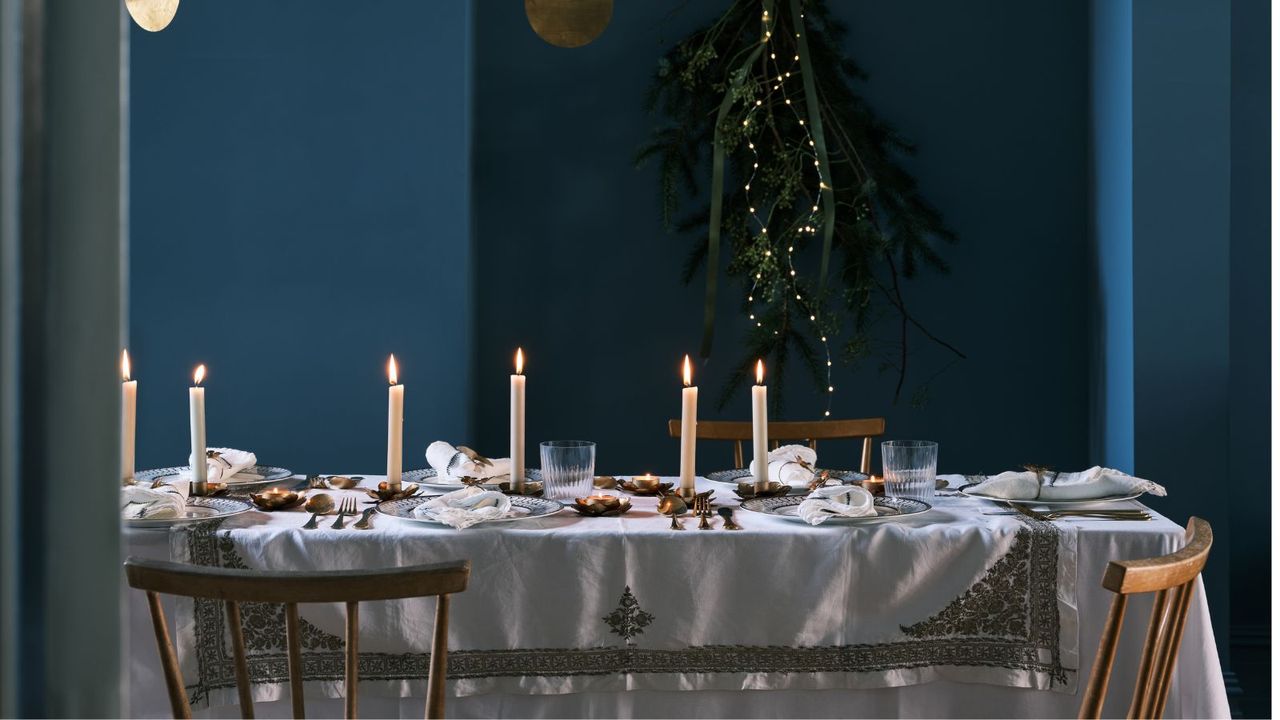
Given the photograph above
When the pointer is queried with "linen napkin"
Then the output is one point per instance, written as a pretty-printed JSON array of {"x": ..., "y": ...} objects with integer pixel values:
[
  {"x": 790, "y": 465},
  {"x": 464, "y": 508},
  {"x": 846, "y": 500},
  {"x": 139, "y": 502},
  {"x": 452, "y": 464},
  {"x": 227, "y": 465},
  {"x": 1096, "y": 482}
]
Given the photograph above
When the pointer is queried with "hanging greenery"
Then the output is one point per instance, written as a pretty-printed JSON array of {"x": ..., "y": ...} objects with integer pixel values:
[{"x": 803, "y": 174}]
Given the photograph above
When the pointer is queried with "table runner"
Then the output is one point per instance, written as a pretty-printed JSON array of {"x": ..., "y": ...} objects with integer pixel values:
[{"x": 570, "y": 604}]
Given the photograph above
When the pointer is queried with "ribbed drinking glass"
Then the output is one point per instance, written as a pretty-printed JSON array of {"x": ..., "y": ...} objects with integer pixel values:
[
  {"x": 568, "y": 468},
  {"x": 910, "y": 468}
]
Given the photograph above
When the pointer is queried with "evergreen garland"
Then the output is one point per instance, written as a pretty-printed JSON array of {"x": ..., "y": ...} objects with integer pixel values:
[{"x": 800, "y": 165}]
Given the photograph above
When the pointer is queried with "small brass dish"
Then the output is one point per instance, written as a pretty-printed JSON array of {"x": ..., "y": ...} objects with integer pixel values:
[
  {"x": 319, "y": 503},
  {"x": 605, "y": 482},
  {"x": 277, "y": 498},
  {"x": 645, "y": 490},
  {"x": 747, "y": 490},
  {"x": 384, "y": 492},
  {"x": 532, "y": 488},
  {"x": 602, "y": 505},
  {"x": 334, "y": 482}
]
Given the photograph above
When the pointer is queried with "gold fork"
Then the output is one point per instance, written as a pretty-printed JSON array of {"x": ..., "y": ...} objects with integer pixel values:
[{"x": 348, "y": 507}]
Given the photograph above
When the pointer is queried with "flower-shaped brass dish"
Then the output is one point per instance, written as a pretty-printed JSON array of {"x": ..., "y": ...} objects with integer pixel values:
[
  {"x": 385, "y": 493},
  {"x": 645, "y": 490},
  {"x": 601, "y": 505},
  {"x": 277, "y": 498},
  {"x": 532, "y": 488},
  {"x": 747, "y": 490},
  {"x": 340, "y": 482},
  {"x": 605, "y": 482}
]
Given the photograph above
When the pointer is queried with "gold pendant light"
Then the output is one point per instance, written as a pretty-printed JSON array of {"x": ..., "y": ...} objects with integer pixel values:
[
  {"x": 568, "y": 23},
  {"x": 152, "y": 15}
]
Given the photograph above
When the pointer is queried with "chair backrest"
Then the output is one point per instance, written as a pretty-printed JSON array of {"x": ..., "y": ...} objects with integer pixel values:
[
  {"x": 809, "y": 431},
  {"x": 1173, "y": 579},
  {"x": 235, "y": 586}
]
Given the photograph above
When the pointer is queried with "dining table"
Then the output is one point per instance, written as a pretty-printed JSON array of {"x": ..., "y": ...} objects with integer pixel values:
[{"x": 970, "y": 609}]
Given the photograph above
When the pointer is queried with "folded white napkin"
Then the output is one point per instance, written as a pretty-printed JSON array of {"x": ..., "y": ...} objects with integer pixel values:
[
  {"x": 227, "y": 465},
  {"x": 1096, "y": 482},
  {"x": 846, "y": 500},
  {"x": 451, "y": 464},
  {"x": 139, "y": 502},
  {"x": 464, "y": 508},
  {"x": 787, "y": 465}
]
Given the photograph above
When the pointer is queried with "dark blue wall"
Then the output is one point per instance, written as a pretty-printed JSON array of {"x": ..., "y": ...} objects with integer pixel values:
[
  {"x": 300, "y": 208},
  {"x": 575, "y": 265}
]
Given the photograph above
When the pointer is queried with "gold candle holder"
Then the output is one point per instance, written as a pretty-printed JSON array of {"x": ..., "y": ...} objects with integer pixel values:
[
  {"x": 601, "y": 505},
  {"x": 385, "y": 491},
  {"x": 277, "y": 498}
]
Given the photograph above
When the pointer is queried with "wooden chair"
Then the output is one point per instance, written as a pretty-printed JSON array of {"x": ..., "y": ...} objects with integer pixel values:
[
  {"x": 290, "y": 588},
  {"x": 812, "y": 432},
  {"x": 1173, "y": 579}
]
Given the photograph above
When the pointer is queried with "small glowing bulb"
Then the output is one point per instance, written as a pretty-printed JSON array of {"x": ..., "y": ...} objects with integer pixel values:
[
  {"x": 764, "y": 230},
  {"x": 750, "y": 299},
  {"x": 755, "y": 165},
  {"x": 827, "y": 413},
  {"x": 759, "y": 325},
  {"x": 793, "y": 273},
  {"x": 828, "y": 363},
  {"x": 831, "y": 388},
  {"x": 787, "y": 74},
  {"x": 797, "y": 297},
  {"x": 752, "y": 317},
  {"x": 751, "y": 145},
  {"x": 813, "y": 317},
  {"x": 757, "y": 276},
  {"x": 796, "y": 58},
  {"x": 746, "y": 122},
  {"x": 811, "y": 144},
  {"x": 773, "y": 56},
  {"x": 747, "y": 187},
  {"x": 768, "y": 254},
  {"x": 802, "y": 122},
  {"x": 815, "y": 208},
  {"x": 791, "y": 248},
  {"x": 752, "y": 209},
  {"x": 824, "y": 338},
  {"x": 759, "y": 103}
]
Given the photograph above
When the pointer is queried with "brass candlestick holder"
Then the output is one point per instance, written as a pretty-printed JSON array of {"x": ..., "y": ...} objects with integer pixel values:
[
  {"x": 531, "y": 488},
  {"x": 385, "y": 492},
  {"x": 747, "y": 490}
]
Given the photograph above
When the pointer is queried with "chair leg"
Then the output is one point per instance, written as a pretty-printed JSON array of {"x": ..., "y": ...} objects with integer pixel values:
[
  {"x": 1145, "y": 684},
  {"x": 293, "y": 639},
  {"x": 439, "y": 660},
  {"x": 168, "y": 660},
  {"x": 866, "y": 456},
  {"x": 353, "y": 656},
  {"x": 1096, "y": 692},
  {"x": 238, "y": 656},
  {"x": 1182, "y": 602}
]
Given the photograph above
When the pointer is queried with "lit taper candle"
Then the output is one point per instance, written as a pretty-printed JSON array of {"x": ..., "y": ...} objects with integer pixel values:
[
  {"x": 760, "y": 428},
  {"x": 199, "y": 457},
  {"x": 128, "y": 418},
  {"x": 395, "y": 425},
  {"x": 688, "y": 431},
  {"x": 517, "y": 424}
]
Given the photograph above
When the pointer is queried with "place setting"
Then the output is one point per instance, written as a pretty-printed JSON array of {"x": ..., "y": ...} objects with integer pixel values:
[{"x": 1040, "y": 493}]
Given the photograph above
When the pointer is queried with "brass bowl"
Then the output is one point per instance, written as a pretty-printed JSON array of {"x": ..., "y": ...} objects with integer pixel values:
[
  {"x": 602, "y": 505},
  {"x": 532, "y": 488},
  {"x": 384, "y": 492},
  {"x": 660, "y": 488},
  {"x": 319, "y": 503},
  {"x": 605, "y": 482},
  {"x": 276, "y": 498},
  {"x": 747, "y": 490}
]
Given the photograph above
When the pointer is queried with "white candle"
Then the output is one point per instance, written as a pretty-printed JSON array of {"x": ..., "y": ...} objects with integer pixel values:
[
  {"x": 760, "y": 428},
  {"x": 199, "y": 466},
  {"x": 517, "y": 424},
  {"x": 688, "y": 431},
  {"x": 128, "y": 418},
  {"x": 395, "y": 426}
]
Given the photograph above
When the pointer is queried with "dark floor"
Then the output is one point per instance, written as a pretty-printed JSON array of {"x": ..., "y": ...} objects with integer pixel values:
[{"x": 1251, "y": 664}]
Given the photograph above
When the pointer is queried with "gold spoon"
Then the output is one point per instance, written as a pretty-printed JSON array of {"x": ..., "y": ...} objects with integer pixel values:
[{"x": 672, "y": 505}]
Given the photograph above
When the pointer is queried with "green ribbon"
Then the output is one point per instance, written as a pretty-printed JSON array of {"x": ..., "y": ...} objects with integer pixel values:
[
  {"x": 717, "y": 190},
  {"x": 820, "y": 146}
]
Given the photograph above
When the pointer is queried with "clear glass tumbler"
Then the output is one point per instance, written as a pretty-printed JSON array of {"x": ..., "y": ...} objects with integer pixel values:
[
  {"x": 568, "y": 468},
  {"x": 910, "y": 468}
]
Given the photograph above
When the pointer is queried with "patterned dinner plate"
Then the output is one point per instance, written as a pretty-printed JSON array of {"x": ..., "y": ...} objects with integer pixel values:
[
  {"x": 887, "y": 508},
  {"x": 270, "y": 476},
  {"x": 431, "y": 480},
  {"x": 197, "y": 510},
  {"x": 733, "y": 477},
  {"x": 968, "y": 490},
  {"x": 523, "y": 507}
]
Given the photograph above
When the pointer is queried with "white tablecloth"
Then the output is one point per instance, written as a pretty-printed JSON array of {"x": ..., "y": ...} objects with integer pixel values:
[{"x": 955, "y": 613}]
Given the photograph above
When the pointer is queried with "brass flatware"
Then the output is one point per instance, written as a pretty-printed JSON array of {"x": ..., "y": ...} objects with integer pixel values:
[
  {"x": 348, "y": 507},
  {"x": 320, "y": 504},
  {"x": 311, "y": 524},
  {"x": 1098, "y": 514},
  {"x": 363, "y": 523},
  {"x": 702, "y": 508},
  {"x": 727, "y": 514},
  {"x": 672, "y": 505}
]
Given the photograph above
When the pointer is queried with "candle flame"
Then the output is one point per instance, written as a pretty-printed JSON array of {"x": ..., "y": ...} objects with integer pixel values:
[
  {"x": 759, "y": 372},
  {"x": 124, "y": 365},
  {"x": 519, "y": 361},
  {"x": 199, "y": 374},
  {"x": 392, "y": 376},
  {"x": 688, "y": 372}
]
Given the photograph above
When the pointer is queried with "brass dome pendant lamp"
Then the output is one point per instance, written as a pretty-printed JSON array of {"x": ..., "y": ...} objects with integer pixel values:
[
  {"x": 152, "y": 15},
  {"x": 568, "y": 23}
]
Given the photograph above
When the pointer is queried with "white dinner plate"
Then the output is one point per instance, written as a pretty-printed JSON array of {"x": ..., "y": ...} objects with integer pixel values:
[
  {"x": 523, "y": 507},
  {"x": 887, "y": 508},
  {"x": 428, "y": 478},
  {"x": 269, "y": 475},
  {"x": 197, "y": 510},
  {"x": 968, "y": 490}
]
